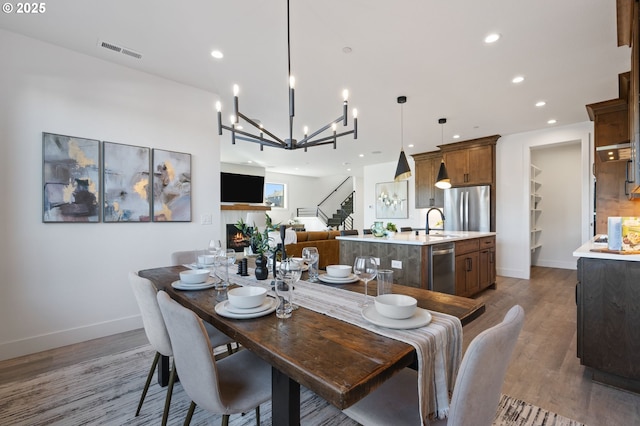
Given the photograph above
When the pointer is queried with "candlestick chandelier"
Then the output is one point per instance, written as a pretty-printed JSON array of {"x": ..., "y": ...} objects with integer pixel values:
[{"x": 268, "y": 138}]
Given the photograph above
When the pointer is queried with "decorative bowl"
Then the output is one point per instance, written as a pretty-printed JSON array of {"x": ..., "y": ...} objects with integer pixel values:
[
  {"x": 396, "y": 306},
  {"x": 194, "y": 276},
  {"x": 247, "y": 297},
  {"x": 338, "y": 271}
]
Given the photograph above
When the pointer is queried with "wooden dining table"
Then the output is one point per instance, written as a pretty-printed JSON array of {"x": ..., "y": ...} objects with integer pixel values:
[{"x": 340, "y": 362}]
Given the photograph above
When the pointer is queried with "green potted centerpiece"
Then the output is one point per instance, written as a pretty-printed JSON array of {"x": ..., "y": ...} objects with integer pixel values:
[
  {"x": 390, "y": 229},
  {"x": 259, "y": 244}
]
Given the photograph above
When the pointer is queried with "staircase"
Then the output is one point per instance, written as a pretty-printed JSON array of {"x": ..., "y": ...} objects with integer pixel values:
[{"x": 342, "y": 216}]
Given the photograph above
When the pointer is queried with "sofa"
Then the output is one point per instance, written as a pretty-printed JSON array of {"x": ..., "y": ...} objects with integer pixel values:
[{"x": 325, "y": 241}]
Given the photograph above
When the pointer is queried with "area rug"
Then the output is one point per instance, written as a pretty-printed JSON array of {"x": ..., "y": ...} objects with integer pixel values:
[{"x": 105, "y": 391}]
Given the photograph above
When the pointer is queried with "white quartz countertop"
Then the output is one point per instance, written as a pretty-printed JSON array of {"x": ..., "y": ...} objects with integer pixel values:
[
  {"x": 410, "y": 237},
  {"x": 585, "y": 251}
]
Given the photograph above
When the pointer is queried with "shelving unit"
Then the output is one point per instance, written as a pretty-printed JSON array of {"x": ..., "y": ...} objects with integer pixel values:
[{"x": 535, "y": 206}]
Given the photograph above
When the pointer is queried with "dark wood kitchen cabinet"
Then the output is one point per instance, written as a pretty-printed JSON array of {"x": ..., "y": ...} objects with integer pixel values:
[
  {"x": 608, "y": 335},
  {"x": 427, "y": 166},
  {"x": 471, "y": 162},
  {"x": 467, "y": 266},
  {"x": 487, "y": 263}
]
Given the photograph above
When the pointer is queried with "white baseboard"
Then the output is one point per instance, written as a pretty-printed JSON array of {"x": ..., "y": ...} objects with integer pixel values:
[
  {"x": 61, "y": 338},
  {"x": 513, "y": 273},
  {"x": 550, "y": 263}
]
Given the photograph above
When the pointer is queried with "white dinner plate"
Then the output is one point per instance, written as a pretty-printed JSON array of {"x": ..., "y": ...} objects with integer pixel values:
[
  {"x": 420, "y": 318},
  {"x": 179, "y": 285},
  {"x": 336, "y": 280},
  {"x": 267, "y": 304},
  {"x": 223, "y": 312}
]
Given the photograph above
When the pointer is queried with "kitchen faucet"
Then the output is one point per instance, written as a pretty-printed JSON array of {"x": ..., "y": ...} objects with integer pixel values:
[{"x": 427, "y": 219}]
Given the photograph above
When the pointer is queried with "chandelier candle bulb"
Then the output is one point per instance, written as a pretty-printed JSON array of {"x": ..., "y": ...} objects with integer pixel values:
[
  {"x": 219, "y": 110},
  {"x": 292, "y": 85},
  {"x": 355, "y": 124},
  {"x": 345, "y": 96},
  {"x": 236, "y": 89}
]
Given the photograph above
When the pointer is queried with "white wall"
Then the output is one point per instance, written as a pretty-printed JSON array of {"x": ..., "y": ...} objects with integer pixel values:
[
  {"x": 561, "y": 208},
  {"x": 64, "y": 283},
  {"x": 384, "y": 172},
  {"x": 513, "y": 157}
]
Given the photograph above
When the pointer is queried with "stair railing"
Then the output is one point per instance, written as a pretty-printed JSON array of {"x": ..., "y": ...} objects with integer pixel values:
[{"x": 343, "y": 213}]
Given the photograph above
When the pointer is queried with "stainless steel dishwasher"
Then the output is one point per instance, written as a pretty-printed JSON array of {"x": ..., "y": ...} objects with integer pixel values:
[{"x": 442, "y": 273}]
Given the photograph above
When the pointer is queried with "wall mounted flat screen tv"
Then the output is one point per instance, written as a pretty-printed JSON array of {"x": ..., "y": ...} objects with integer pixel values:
[{"x": 237, "y": 188}]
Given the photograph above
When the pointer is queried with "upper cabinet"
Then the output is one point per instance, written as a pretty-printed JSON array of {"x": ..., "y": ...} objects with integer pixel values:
[
  {"x": 468, "y": 163},
  {"x": 427, "y": 166},
  {"x": 471, "y": 162}
]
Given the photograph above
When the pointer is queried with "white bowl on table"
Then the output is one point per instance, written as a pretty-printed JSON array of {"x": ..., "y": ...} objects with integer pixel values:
[
  {"x": 194, "y": 276},
  {"x": 338, "y": 271},
  {"x": 247, "y": 297},
  {"x": 396, "y": 306}
]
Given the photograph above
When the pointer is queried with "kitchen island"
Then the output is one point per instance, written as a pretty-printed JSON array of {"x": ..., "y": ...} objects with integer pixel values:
[
  {"x": 608, "y": 309},
  {"x": 407, "y": 254}
]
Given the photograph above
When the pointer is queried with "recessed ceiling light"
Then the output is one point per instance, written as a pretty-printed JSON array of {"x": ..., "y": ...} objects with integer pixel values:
[
  {"x": 492, "y": 38},
  {"x": 410, "y": 146},
  {"x": 456, "y": 136},
  {"x": 518, "y": 79},
  {"x": 217, "y": 54},
  {"x": 249, "y": 161},
  {"x": 540, "y": 103},
  {"x": 347, "y": 49},
  {"x": 348, "y": 170},
  {"x": 552, "y": 121},
  {"x": 361, "y": 155}
]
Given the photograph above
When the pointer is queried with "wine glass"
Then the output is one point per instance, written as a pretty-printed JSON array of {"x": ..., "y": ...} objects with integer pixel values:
[
  {"x": 230, "y": 259},
  {"x": 214, "y": 248},
  {"x": 311, "y": 256},
  {"x": 288, "y": 274},
  {"x": 366, "y": 269}
]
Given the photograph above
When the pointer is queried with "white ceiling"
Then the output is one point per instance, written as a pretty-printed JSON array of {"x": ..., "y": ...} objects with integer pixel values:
[{"x": 431, "y": 51}]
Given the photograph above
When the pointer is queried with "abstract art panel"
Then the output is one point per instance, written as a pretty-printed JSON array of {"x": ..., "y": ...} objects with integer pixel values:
[
  {"x": 391, "y": 200},
  {"x": 126, "y": 182},
  {"x": 70, "y": 178},
  {"x": 171, "y": 186}
]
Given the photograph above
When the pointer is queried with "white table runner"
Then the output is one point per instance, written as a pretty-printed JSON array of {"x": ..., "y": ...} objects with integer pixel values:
[{"x": 438, "y": 345}]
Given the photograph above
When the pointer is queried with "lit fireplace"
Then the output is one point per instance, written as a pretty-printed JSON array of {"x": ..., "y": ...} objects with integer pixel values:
[{"x": 235, "y": 240}]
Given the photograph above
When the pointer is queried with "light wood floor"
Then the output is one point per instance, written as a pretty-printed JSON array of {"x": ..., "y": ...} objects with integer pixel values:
[{"x": 544, "y": 371}]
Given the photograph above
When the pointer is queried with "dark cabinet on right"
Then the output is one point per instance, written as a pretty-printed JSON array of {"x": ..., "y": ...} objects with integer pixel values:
[{"x": 608, "y": 300}]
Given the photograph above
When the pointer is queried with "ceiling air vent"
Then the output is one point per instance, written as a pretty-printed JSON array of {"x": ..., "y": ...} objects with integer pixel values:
[
  {"x": 119, "y": 49},
  {"x": 110, "y": 46}
]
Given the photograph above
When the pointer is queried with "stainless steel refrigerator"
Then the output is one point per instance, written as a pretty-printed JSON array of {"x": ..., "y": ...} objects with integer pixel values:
[{"x": 467, "y": 209}]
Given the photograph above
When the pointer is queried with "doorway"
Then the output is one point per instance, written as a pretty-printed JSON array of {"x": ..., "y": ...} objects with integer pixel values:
[{"x": 556, "y": 204}]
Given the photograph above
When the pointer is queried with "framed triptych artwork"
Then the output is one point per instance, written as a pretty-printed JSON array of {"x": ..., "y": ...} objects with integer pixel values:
[
  {"x": 126, "y": 182},
  {"x": 171, "y": 186},
  {"x": 70, "y": 178}
]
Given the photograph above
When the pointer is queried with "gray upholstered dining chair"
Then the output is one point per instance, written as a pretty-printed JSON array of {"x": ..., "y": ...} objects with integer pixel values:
[
  {"x": 156, "y": 332},
  {"x": 476, "y": 393},
  {"x": 235, "y": 384},
  {"x": 183, "y": 257}
]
